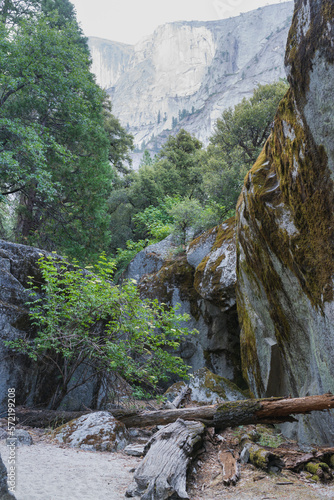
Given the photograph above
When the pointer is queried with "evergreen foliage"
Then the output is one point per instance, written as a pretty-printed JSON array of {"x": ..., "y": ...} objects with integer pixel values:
[{"x": 57, "y": 134}]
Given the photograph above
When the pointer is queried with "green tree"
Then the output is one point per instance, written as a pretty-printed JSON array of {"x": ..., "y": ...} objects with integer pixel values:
[
  {"x": 237, "y": 141},
  {"x": 155, "y": 222},
  {"x": 57, "y": 137},
  {"x": 120, "y": 142},
  {"x": 177, "y": 170},
  {"x": 146, "y": 159},
  {"x": 243, "y": 130},
  {"x": 13, "y": 10},
  {"x": 186, "y": 216},
  {"x": 86, "y": 321}
]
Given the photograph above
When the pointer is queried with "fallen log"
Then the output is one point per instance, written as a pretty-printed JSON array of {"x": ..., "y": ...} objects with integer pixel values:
[
  {"x": 235, "y": 413},
  {"x": 221, "y": 416},
  {"x": 46, "y": 418},
  {"x": 296, "y": 459},
  {"x": 163, "y": 471}
]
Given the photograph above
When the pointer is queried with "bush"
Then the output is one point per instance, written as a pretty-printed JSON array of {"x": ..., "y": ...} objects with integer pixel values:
[{"x": 86, "y": 320}]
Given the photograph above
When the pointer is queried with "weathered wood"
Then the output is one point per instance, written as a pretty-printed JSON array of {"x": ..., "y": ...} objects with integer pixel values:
[
  {"x": 185, "y": 391},
  {"x": 163, "y": 471},
  {"x": 231, "y": 471},
  {"x": 295, "y": 459},
  {"x": 164, "y": 417},
  {"x": 235, "y": 413},
  {"x": 264, "y": 458}
]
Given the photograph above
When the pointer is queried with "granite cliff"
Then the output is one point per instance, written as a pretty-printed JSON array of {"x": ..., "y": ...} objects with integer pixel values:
[
  {"x": 186, "y": 73},
  {"x": 286, "y": 232},
  {"x": 202, "y": 280}
]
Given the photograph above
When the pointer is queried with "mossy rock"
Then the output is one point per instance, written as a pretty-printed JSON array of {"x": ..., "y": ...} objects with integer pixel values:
[
  {"x": 208, "y": 388},
  {"x": 285, "y": 232}
]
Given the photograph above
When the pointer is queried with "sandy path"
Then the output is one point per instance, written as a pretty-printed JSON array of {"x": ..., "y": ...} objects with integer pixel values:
[{"x": 48, "y": 472}]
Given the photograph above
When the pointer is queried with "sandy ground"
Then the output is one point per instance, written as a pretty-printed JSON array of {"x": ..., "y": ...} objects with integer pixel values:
[{"x": 49, "y": 472}]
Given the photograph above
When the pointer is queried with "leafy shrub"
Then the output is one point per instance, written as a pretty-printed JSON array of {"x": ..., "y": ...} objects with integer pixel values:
[{"x": 85, "y": 320}]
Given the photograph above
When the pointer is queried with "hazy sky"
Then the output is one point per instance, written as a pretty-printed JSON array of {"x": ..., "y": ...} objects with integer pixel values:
[{"x": 129, "y": 20}]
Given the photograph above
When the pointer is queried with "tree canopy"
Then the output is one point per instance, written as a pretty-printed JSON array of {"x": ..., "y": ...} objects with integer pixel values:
[
  {"x": 60, "y": 146},
  {"x": 238, "y": 139}
]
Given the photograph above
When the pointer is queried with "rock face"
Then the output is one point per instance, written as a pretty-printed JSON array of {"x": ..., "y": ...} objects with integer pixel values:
[
  {"x": 286, "y": 231},
  {"x": 186, "y": 73},
  {"x": 17, "y": 262},
  {"x": 98, "y": 431},
  {"x": 34, "y": 384},
  {"x": 109, "y": 60},
  {"x": 203, "y": 282}
]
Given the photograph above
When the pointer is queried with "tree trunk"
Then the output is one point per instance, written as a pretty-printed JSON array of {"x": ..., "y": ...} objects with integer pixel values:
[
  {"x": 46, "y": 418},
  {"x": 221, "y": 416},
  {"x": 163, "y": 471},
  {"x": 235, "y": 413}
]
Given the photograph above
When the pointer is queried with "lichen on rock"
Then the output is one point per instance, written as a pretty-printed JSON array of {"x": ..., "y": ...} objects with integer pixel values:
[
  {"x": 285, "y": 231},
  {"x": 202, "y": 281},
  {"x": 97, "y": 431}
]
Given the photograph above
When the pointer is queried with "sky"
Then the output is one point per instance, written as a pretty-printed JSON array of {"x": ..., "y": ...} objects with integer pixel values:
[{"x": 128, "y": 21}]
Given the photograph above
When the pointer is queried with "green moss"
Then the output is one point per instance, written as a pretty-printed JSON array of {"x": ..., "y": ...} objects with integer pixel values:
[
  {"x": 291, "y": 176},
  {"x": 301, "y": 50},
  {"x": 214, "y": 383},
  {"x": 331, "y": 461},
  {"x": 314, "y": 468},
  {"x": 258, "y": 458},
  {"x": 208, "y": 275},
  {"x": 176, "y": 273},
  {"x": 249, "y": 357},
  {"x": 271, "y": 184},
  {"x": 309, "y": 196}
]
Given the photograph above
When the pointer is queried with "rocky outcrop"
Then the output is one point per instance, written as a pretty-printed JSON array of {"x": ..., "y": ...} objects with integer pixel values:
[
  {"x": 286, "y": 232},
  {"x": 98, "y": 431},
  {"x": 34, "y": 384},
  {"x": 202, "y": 281},
  {"x": 186, "y": 73}
]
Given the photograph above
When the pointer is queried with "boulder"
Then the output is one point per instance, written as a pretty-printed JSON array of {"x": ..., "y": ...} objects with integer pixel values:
[
  {"x": 285, "y": 231},
  {"x": 151, "y": 259},
  {"x": 97, "y": 431},
  {"x": 208, "y": 388},
  {"x": 4, "y": 492},
  {"x": 202, "y": 281},
  {"x": 17, "y": 262}
]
